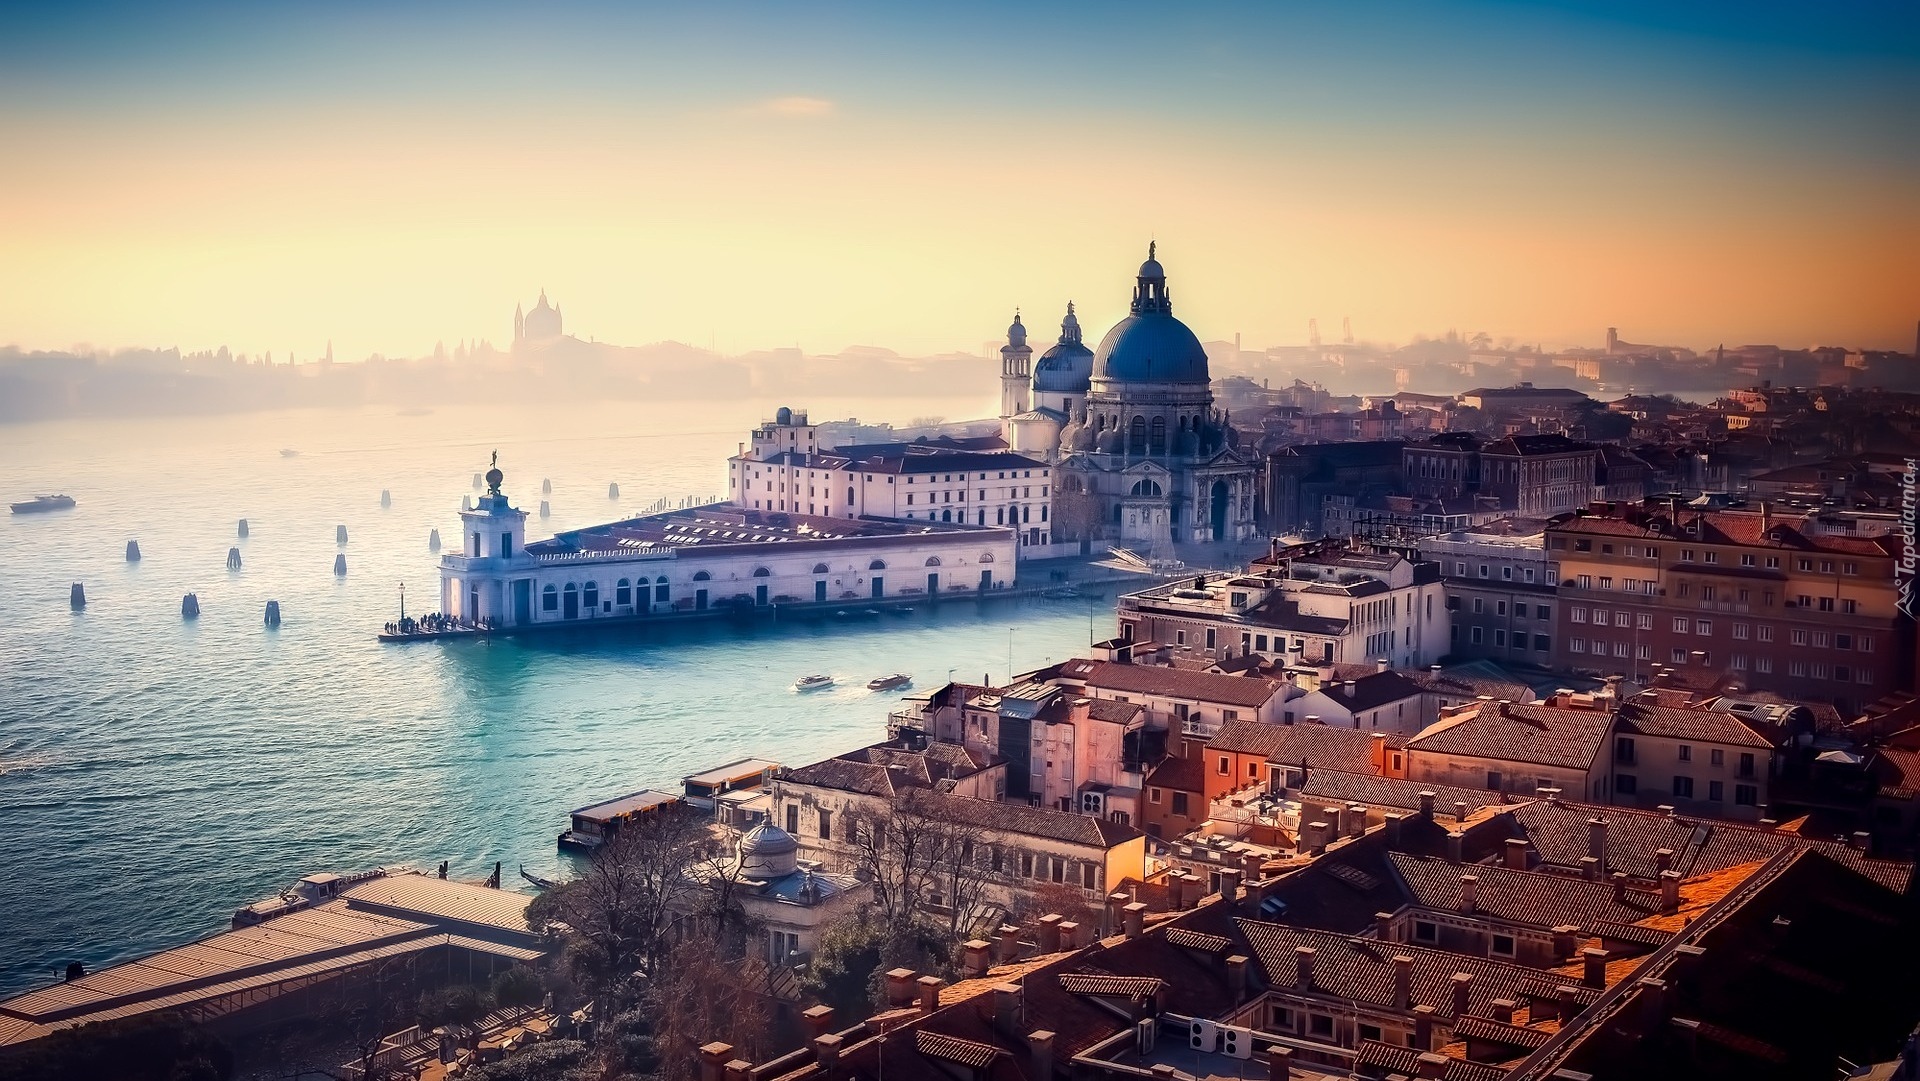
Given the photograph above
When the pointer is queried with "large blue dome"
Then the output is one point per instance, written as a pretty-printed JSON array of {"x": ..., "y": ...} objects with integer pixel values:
[{"x": 1151, "y": 348}]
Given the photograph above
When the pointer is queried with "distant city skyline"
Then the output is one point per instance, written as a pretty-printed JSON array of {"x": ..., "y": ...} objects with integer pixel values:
[{"x": 271, "y": 179}]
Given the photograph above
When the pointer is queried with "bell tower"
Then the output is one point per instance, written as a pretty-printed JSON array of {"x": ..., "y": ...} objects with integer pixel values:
[{"x": 1016, "y": 371}]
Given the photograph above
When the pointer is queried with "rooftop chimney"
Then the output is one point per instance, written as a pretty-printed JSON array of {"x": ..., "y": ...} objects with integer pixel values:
[
  {"x": 1423, "y": 1027},
  {"x": 1006, "y": 1006},
  {"x": 1569, "y": 1003},
  {"x": 713, "y": 1060},
  {"x": 1431, "y": 1065},
  {"x": 1469, "y": 893},
  {"x": 1503, "y": 1009},
  {"x": 1357, "y": 812},
  {"x": 1454, "y": 840},
  {"x": 900, "y": 986},
  {"x": 1303, "y": 966},
  {"x": 1279, "y": 1063},
  {"x": 1594, "y": 972},
  {"x": 1460, "y": 810},
  {"x": 1135, "y": 914},
  {"x": 1237, "y": 977},
  {"x": 1426, "y": 804},
  {"x": 1402, "y": 982},
  {"x": 1563, "y": 940},
  {"x": 826, "y": 1051},
  {"x": 977, "y": 958},
  {"x": 1597, "y": 840},
  {"x": 1590, "y": 868},
  {"x": 1619, "y": 886},
  {"x": 930, "y": 992},
  {"x": 1040, "y": 1053},
  {"x": 1669, "y": 891},
  {"x": 1380, "y": 665},
  {"x": 1009, "y": 943},
  {"x": 1662, "y": 859},
  {"x": 1069, "y": 935},
  {"x": 1516, "y": 849},
  {"x": 1462, "y": 986},
  {"x": 1230, "y": 886},
  {"x": 1050, "y": 932}
]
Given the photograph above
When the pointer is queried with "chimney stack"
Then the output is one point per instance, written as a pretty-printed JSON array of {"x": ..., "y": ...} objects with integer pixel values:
[
  {"x": 1040, "y": 1053},
  {"x": 900, "y": 986},
  {"x": 1303, "y": 966},
  {"x": 1380, "y": 665},
  {"x": 1462, "y": 986},
  {"x": 930, "y": 992},
  {"x": 1669, "y": 891},
  {"x": 1590, "y": 868},
  {"x": 1423, "y": 1027},
  {"x": 1516, "y": 850},
  {"x": 1009, "y": 943},
  {"x": 1426, "y": 804},
  {"x": 819, "y": 1020},
  {"x": 1358, "y": 813},
  {"x": 1454, "y": 842},
  {"x": 1569, "y": 1003},
  {"x": 1316, "y": 836},
  {"x": 1662, "y": 859},
  {"x": 1136, "y": 915},
  {"x": 1069, "y": 935},
  {"x": 977, "y": 958},
  {"x": 713, "y": 1061},
  {"x": 1460, "y": 810},
  {"x": 1619, "y": 886},
  {"x": 1469, "y": 893},
  {"x": 1006, "y": 1006},
  {"x": 1237, "y": 977},
  {"x": 1402, "y": 982},
  {"x": 1430, "y": 1065},
  {"x": 1594, "y": 971},
  {"x": 1597, "y": 841},
  {"x": 1503, "y": 1009},
  {"x": 1230, "y": 886},
  {"x": 1279, "y": 1063},
  {"x": 826, "y": 1051},
  {"x": 1563, "y": 940},
  {"x": 1049, "y": 934}
]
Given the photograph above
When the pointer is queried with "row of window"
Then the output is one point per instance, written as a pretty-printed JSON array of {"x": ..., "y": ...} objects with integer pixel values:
[
  {"x": 947, "y": 497},
  {"x": 1624, "y": 753},
  {"x": 1477, "y": 635},
  {"x": 997, "y": 858},
  {"x": 1804, "y": 564},
  {"x": 1744, "y": 795},
  {"x": 1500, "y": 608}
]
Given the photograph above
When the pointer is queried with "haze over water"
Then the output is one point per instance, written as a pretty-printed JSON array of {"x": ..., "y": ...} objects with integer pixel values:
[{"x": 156, "y": 773}]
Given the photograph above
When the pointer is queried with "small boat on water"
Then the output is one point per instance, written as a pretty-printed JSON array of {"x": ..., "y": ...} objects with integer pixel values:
[
  {"x": 813, "y": 683},
  {"x": 40, "y": 504},
  {"x": 537, "y": 882},
  {"x": 289, "y": 452},
  {"x": 870, "y": 613},
  {"x": 887, "y": 683},
  {"x": 1061, "y": 593}
]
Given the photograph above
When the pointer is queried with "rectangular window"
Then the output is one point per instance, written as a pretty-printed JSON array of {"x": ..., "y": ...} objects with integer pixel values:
[
  {"x": 1745, "y": 795},
  {"x": 826, "y": 824},
  {"x": 1703, "y": 626},
  {"x": 1741, "y": 631},
  {"x": 1643, "y": 621},
  {"x": 1717, "y": 791},
  {"x": 1226, "y": 766},
  {"x": 1180, "y": 803},
  {"x": 1678, "y": 656},
  {"x": 1683, "y": 787},
  {"x": 1625, "y": 784},
  {"x": 1686, "y": 752},
  {"x": 1320, "y": 1025},
  {"x": 1746, "y": 763},
  {"x": 793, "y": 819},
  {"x": 1503, "y": 945},
  {"x": 1765, "y": 633},
  {"x": 1425, "y": 931},
  {"x": 1679, "y": 624}
]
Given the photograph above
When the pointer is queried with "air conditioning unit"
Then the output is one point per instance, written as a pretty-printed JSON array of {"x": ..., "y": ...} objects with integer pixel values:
[
  {"x": 1093, "y": 803},
  {"x": 1236, "y": 1042},
  {"x": 1201, "y": 1035}
]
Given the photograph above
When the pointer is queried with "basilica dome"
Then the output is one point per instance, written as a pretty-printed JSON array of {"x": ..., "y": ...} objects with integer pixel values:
[
  {"x": 768, "y": 852},
  {"x": 1067, "y": 366},
  {"x": 1150, "y": 345}
]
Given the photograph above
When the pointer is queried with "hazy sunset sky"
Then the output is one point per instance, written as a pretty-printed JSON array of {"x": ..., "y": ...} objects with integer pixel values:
[{"x": 269, "y": 177}]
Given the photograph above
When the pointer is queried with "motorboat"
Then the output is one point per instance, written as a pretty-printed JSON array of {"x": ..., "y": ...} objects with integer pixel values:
[
  {"x": 1061, "y": 593},
  {"x": 813, "y": 683},
  {"x": 888, "y": 683},
  {"x": 41, "y": 504},
  {"x": 289, "y": 452}
]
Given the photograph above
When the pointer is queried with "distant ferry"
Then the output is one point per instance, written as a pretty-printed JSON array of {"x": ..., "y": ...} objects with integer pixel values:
[
  {"x": 289, "y": 452},
  {"x": 40, "y": 504},
  {"x": 813, "y": 683},
  {"x": 887, "y": 683}
]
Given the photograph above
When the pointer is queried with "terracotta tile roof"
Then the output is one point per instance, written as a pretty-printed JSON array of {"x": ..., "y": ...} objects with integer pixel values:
[
  {"x": 1318, "y": 745},
  {"x": 954, "y": 1049},
  {"x": 1195, "y": 940},
  {"x": 1405, "y": 1061},
  {"x": 1392, "y": 793},
  {"x": 1521, "y": 897},
  {"x": 1182, "y": 774},
  {"x": 845, "y": 776},
  {"x": 1361, "y": 969},
  {"x": 1373, "y": 690},
  {"x": 1698, "y": 725},
  {"x": 1543, "y": 735},
  {"x": 1558, "y": 831},
  {"x": 1485, "y": 1028},
  {"x": 1132, "y": 988},
  {"x": 1248, "y": 691},
  {"x": 1034, "y": 821},
  {"x": 1744, "y": 528}
]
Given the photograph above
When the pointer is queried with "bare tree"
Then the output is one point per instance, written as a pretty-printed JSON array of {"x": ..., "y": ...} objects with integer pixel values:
[
  {"x": 916, "y": 847},
  {"x": 620, "y": 911}
]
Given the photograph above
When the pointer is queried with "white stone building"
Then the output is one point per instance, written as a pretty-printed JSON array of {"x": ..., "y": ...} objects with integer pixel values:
[{"x": 698, "y": 559}]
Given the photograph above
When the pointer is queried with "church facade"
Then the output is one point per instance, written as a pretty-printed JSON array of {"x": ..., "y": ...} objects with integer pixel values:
[{"x": 1140, "y": 454}]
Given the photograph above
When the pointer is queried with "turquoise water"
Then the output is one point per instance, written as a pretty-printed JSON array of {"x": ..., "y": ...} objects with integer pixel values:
[{"x": 156, "y": 773}]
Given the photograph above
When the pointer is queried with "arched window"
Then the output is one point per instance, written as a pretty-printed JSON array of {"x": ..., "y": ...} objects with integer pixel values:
[
  {"x": 623, "y": 592},
  {"x": 946, "y": 516},
  {"x": 702, "y": 576},
  {"x": 933, "y": 561},
  {"x": 549, "y": 599},
  {"x": 661, "y": 591},
  {"x": 1146, "y": 487},
  {"x": 877, "y": 565},
  {"x": 1137, "y": 436},
  {"x": 590, "y": 595},
  {"x": 762, "y": 572},
  {"x": 819, "y": 568},
  {"x": 1100, "y": 423},
  {"x": 1157, "y": 441},
  {"x": 986, "y": 557}
]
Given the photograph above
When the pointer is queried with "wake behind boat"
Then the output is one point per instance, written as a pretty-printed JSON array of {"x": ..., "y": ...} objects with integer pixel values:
[
  {"x": 813, "y": 683},
  {"x": 40, "y": 504},
  {"x": 887, "y": 683}
]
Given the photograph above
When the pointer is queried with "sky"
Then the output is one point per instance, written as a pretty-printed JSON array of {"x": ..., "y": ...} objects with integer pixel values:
[{"x": 387, "y": 176}]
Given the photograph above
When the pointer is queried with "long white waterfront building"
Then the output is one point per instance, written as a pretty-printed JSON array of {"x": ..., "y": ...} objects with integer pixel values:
[{"x": 721, "y": 555}]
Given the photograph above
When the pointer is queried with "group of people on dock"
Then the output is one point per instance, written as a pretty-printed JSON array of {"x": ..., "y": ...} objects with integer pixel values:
[{"x": 435, "y": 623}]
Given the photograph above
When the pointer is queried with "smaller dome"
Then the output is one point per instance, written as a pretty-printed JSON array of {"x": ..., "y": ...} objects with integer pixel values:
[
  {"x": 1017, "y": 333},
  {"x": 767, "y": 851},
  {"x": 1151, "y": 268}
]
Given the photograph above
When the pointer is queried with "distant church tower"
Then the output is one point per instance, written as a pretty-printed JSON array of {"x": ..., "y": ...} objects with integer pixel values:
[
  {"x": 541, "y": 326},
  {"x": 1016, "y": 370}
]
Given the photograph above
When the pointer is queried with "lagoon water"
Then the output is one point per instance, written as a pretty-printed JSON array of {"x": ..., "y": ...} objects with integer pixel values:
[{"x": 156, "y": 773}]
